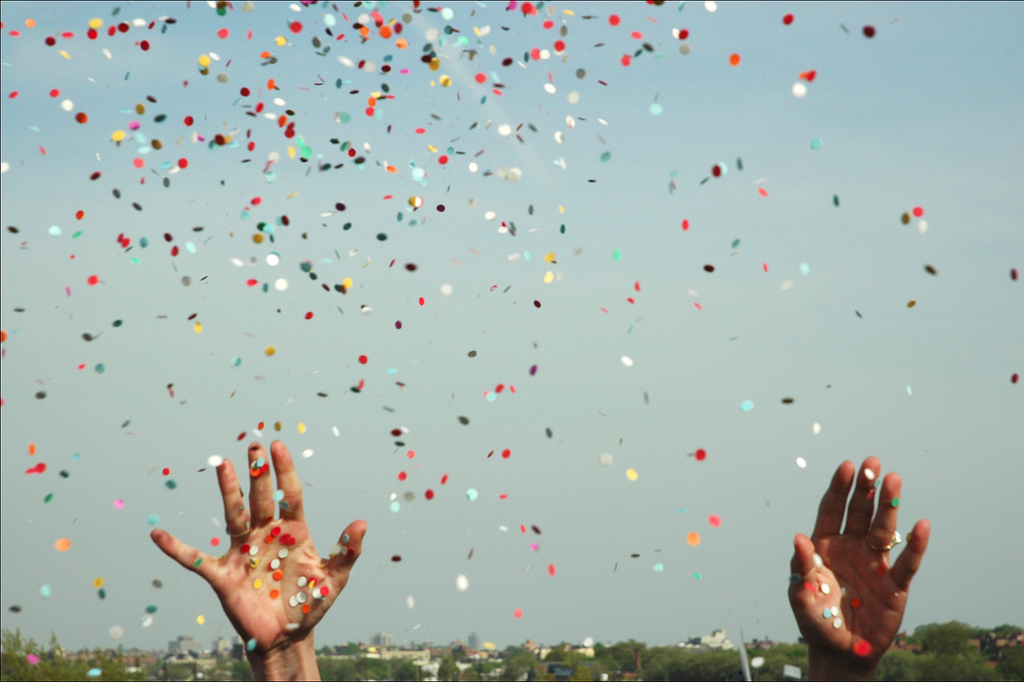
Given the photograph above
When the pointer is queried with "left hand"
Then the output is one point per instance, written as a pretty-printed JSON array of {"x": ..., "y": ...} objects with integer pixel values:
[{"x": 256, "y": 597}]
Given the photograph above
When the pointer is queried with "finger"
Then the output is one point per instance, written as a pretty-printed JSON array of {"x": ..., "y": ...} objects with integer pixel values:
[
  {"x": 805, "y": 559},
  {"x": 346, "y": 552},
  {"x": 261, "y": 492},
  {"x": 287, "y": 481},
  {"x": 833, "y": 503},
  {"x": 862, "y": 502},
  {"x": 910, "y": 560},
  {"x": 884, "y": 525},
  {"x": 189, "y": 557},
  {"x": 236, "y": 517}
]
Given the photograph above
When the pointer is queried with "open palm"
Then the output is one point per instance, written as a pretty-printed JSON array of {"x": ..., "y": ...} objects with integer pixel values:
[
  {"x": 848, "y": 601},
  {"x": 272, "y": 582}
]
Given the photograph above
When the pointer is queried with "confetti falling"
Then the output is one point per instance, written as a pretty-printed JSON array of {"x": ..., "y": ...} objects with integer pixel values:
[{"x": 274, "y": 199}]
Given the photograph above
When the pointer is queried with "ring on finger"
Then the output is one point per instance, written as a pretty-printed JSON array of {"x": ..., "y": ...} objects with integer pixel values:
[
  {"x": 240, "y": 534},
  {"x": 893, "y": 541}
]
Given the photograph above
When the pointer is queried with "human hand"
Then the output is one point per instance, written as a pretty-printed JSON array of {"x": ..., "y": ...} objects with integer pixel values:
[
  {"x": 850, "y": 571},
  {"x": 273, "y": 601}
]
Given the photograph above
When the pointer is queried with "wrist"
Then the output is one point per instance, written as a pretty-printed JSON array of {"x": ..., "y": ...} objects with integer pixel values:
[
  {"x": 294, "y": 660},
  {"x": 826, "y": 666}
]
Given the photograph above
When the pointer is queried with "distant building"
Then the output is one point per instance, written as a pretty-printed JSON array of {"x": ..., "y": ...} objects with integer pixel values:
[
  {"x": 382, "y": 639},
  {"x": 474, "y": 641},
  {"x": 716, "y": 640},
  {"x": 184, "y": 645},
  {"x": 221, "y": 646}
]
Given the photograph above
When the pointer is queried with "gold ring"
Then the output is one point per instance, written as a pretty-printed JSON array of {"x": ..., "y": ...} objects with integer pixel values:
[
  {"x": 895, "y": 540},
  {"x": 245, "y": 532}
]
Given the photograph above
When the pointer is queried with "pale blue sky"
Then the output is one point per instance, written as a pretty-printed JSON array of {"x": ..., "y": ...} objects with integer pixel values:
[{"x": 927, "y": 113}]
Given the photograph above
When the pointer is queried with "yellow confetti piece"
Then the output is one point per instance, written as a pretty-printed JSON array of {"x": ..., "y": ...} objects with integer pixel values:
[
  {"x": 291, "y": 152},
  {"x": 117, "y": 135},
  {"x": 550, "y": 258},
  {"x": 561, "y": 209},
  {"x": 198, "y": 327},
  {"x": 200, "y": 619},
  {"x": 432, "y": 148},
  {"x": 65, "y": 54},
  {"x": 293, "y": 195},
  {"x": 281, "y": 41},
  {"x": 549, "y": 277},
  {"x": 270, "y": 350},
  {"x": 302, "y": 427},
  {"x": 204, "y": 60},
  {"x": 95, "y": 23},
  {"x": 446, "y": 81},
  {"x": 97, "y": 583},
  {"x": 257, "y": 584},
  {"x": 632, "y": 475}
]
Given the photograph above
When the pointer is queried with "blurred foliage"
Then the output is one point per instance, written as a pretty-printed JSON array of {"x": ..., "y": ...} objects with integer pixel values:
[{"x": 54, "y": 663}]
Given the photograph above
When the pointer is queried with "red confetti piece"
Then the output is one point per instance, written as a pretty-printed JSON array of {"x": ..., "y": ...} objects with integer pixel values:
[
  {"x": 309, "y": 315},
  {"x": 518, "y": 613},
  {"x": 402, "y": 475},
  {"x": 700, "y": 455},
  {"x": 166, "y": 471},
  {"x": 37, "y": 469},
  {"x": 855, "y": 603},
  {"x": 686, "y": 224},
  {"x": 362, "y": 361},
  {"x": 444, "y": 479},
  {"x": 614, "y": 20},
  {"x": 862, "y": 648},
  {"x": 429, "y": 494},
  {"x": 296, "y": 27},
  {"x": 223, "y": 33},
  {"x": 626, "y": 60},
  {"x": 869, "y": 31},
  {"x": 93, "y": 280},
  {"x": 918, "y": 211},
  {"x": 788, "y": 19},
  {"x": 215, "y": 542},
  {"x": 506, "y": 453},
  {"x": 551, "y": 570}
]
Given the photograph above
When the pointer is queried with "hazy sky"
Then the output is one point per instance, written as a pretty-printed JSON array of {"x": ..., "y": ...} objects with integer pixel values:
[{"x": 639, "y": 351}]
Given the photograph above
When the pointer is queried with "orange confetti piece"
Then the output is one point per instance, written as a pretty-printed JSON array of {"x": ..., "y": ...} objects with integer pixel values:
[
  {"x": 62, "y": 545},
  {"x": 734, "y": 59},
  {"x": 693, "y": 538}
]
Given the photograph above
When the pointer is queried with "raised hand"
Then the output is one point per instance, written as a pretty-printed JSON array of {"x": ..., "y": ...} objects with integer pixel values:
[
  {"x": 847, "y": 599},
  {"x": 272, "y": 582}
]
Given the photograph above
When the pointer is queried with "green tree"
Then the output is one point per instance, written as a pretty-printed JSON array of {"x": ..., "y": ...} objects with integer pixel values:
[
  {"x": 404, "y": 670},
  {"x": 17, "y": 656},
  {"x": 337, "y": 668},
  {"x": 897, "y": 665},
  {"x": 517, "y": 665},
  {"x": 447, "y": 670},
  {"x": 944, "y": 638},
  {"x": 1011, "y": 663}
]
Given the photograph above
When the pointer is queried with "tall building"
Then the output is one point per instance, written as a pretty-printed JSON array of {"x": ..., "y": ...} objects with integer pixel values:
[
  {"x": 184, "y": 644},
  {"x": 474, "y": 641},
  {"x": 382, "y": 639}
]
